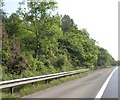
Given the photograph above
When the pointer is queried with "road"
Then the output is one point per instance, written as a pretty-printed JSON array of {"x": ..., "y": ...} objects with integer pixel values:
[
  {"x": 111, "y": 90},
  {"x": 85, "y": 87}
]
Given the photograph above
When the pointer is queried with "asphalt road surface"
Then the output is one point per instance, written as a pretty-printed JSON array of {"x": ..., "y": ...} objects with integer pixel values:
[
  {"x": 85, "y": 87},
  {"x": 111, "y": 90},
  {"x": 118, "y": 82}
]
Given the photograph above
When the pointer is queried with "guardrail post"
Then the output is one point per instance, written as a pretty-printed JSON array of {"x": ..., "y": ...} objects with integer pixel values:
[
  {"x": 11, "y": 90},
  {"x": 47, "y": 81},
  {"x": 32, "y": 84},
  {"x": 57, "y": 78}
]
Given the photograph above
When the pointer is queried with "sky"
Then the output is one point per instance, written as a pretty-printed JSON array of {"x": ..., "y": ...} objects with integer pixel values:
[{"x": 99, "y": 17}]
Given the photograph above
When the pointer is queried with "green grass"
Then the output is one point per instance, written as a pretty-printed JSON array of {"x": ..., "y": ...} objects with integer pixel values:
[{"x": 38, "y": 86}]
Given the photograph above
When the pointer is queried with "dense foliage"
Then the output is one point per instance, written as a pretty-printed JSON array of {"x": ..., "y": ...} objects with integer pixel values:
[
  {"x": 118, "y": 62},
  {"x": 36, "y": 42}
]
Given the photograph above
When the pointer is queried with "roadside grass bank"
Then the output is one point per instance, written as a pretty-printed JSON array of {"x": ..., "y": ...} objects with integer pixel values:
[{"x": 22, "y": 90}]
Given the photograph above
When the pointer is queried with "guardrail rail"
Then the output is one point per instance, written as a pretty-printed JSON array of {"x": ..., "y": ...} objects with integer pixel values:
[{"x": 16, "y": 82}]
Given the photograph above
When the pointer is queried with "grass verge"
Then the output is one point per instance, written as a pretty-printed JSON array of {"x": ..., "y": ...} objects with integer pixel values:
[{"x": 23, "y": 90}]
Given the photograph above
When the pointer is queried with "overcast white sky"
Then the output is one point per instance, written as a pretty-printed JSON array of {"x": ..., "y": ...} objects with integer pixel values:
[{"x": 99, "y": 17}]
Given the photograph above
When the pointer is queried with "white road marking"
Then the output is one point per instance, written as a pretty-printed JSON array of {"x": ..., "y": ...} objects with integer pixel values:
[{"x": 100, "y": 93}]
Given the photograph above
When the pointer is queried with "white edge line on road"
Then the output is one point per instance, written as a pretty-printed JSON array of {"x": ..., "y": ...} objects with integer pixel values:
[{"x": 100, "y": 93}]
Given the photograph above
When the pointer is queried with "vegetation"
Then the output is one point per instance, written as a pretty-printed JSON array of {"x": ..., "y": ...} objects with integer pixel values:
[
  {"x": 36, "y": 42},
  {"x": 118, "y": 62},
  {"x": 24, "y": 90}
]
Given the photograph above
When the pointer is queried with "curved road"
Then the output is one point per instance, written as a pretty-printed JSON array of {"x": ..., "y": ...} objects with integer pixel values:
[{"x": 85, "y": 87}]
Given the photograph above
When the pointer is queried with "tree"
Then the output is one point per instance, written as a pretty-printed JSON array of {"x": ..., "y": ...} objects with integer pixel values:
[
  {"x": 16, "y": 62},
  {"x": 37, "y": 20},
  {"x": 67, "y": 23},
  {"x": 13, "y": 25},
  {"x": 104, "y": 58},
  {"x": 118, "y": 62}
]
